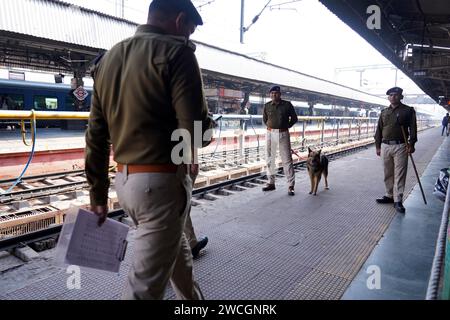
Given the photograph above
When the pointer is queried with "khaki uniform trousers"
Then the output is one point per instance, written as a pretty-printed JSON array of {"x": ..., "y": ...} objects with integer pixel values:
[
  {"x": 190, "y": 233},
  {"x": 189, "y": 228},
  {"x": 395, "y": 161},
  {"x": 158, "y": 203},
  {"x": 275, "y": 139}
]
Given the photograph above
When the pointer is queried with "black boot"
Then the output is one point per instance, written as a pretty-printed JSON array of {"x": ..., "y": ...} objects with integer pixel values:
[
  {"x": 269, "y": 187},
  {"x": 399, "y": 207},
  {"x": 385, "y": 199},
  {"x": 291, "y": 191},
  {"x": 199, "y": 246}
]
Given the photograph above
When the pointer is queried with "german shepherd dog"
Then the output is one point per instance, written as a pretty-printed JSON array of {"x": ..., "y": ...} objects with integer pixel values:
[{"x": 317, "y": 165}]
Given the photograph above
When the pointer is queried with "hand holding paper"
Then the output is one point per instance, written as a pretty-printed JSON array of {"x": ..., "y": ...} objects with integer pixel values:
[{"x": 85, "y": 244}]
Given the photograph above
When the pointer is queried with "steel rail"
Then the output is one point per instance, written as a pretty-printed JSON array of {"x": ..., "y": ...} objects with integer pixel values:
[
  {"x": 42, "y": 191},
  {"x": 54, "y": 175},
  {"x": 57, "y": 188}
]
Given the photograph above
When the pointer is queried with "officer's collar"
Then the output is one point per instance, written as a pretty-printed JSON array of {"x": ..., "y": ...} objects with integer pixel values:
[
  {"x": 399, "y": 105},
  {"x": 276, "y": 103},
  {"x": 148, "y": 28}
]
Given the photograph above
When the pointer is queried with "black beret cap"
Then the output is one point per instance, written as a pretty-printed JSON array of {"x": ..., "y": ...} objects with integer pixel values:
[
  {"x": 394, "y": 90},
  {"x": 179, "y": 5},
  {"x": 275, "y": 88}
]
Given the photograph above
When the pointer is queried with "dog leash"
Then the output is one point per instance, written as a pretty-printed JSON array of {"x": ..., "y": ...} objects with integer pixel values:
[{"x": 293, "y": 152}]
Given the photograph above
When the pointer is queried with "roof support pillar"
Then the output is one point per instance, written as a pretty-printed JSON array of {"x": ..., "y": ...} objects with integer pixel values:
[{"x": 311, "y": 108}]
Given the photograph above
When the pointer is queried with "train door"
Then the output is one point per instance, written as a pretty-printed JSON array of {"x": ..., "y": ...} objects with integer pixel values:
[
  {"x": 10, "y": 101},
  {"x": 71, "y": 103}
]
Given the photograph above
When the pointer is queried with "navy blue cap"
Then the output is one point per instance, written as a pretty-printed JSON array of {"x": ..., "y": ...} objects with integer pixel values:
[
  {"x": 394, "y": 90},
  {"x": 275, "y": 88},
  {"x": 185, "y": 6}
]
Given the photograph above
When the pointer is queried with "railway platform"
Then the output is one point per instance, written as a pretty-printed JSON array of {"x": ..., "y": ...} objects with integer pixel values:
[{"x": 268, "y": 245}]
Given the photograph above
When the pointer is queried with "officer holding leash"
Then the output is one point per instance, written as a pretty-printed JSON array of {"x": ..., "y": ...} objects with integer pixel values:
[{"x": 279, "y": 115}]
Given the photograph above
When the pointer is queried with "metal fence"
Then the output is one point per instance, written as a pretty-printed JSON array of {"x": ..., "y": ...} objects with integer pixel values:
[
  {"x": 247, "y": 144},
  {"x": 439, "y": 287}
]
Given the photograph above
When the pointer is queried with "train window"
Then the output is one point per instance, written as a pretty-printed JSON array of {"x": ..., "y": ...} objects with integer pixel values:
[
  {"x": 45, "y": 103},
  {"x": 11, "y": 101}
]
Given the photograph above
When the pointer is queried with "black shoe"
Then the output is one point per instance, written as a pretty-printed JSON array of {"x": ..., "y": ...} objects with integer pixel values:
[
  {"x": 399, "y": 207},
  {"x": 385, "y": 200},
  {"x": 199, "y": 246},
  {"x": 291, "y": 191},
  {"x": 269, "y": 187}
]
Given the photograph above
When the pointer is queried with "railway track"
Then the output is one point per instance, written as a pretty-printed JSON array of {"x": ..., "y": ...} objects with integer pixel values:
[
  {"x": 40, "y": 237},
  {"x": 45, "y": 185}
]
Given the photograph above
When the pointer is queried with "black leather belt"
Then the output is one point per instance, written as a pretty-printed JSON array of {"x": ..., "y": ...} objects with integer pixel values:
[{"x": 393, "y": 141}]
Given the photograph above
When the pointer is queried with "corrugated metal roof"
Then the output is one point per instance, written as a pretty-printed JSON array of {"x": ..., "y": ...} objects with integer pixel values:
[
  {"x": 60, "y": 21},
  {"x": 227, "y": 62},
  {"x": 57, "y": 20}
]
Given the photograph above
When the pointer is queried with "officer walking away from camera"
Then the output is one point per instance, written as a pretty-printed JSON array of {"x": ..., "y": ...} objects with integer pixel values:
[
  {"x": 146, "y": 88},
  {"x": 445, "y": 125},
  {"x": 279, "y": 115},
  {"x": 391, "y": 145}
]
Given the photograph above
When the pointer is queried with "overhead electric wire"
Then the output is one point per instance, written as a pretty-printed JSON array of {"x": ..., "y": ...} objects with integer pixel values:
[
  {"x": 280, "y": 4},
  {"x": 205, "y": 4},
  {"x": 257, "y": 16}
]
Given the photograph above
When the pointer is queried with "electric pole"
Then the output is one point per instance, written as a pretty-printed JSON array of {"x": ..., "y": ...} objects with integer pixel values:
[
  {"x": 120, "y": 8},
  {"x": 242, "y": 21}
]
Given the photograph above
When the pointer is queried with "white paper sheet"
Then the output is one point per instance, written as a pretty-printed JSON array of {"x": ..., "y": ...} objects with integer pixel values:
[{"x": 96, "y": 247}]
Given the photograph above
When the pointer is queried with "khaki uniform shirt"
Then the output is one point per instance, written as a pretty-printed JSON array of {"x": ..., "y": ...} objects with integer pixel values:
[
  {"x": 145, "y": 87},
  {"x": 390, "y": 121},
  {"x": 279, "y": 116}
]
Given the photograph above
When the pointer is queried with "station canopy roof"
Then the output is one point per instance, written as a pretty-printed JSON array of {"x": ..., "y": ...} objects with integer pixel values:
[
  {"x": 56, "y": 36},
  {"x": 414, "y": 35}
]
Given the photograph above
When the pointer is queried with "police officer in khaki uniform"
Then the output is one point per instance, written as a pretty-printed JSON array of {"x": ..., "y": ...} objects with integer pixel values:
[
  {"x": 391, "y": 145},
  {"x": 146, "y": 88},
  {"x": 279, "y": 115}
]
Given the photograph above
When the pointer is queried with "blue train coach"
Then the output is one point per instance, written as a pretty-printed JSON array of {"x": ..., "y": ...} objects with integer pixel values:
[{"x": 27, "y": 95}]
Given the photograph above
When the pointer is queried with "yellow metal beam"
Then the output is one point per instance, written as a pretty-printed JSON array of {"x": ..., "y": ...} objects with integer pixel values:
[
  {"x": 319, "y": 118},
  {"x": 43, "y": 115}
]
